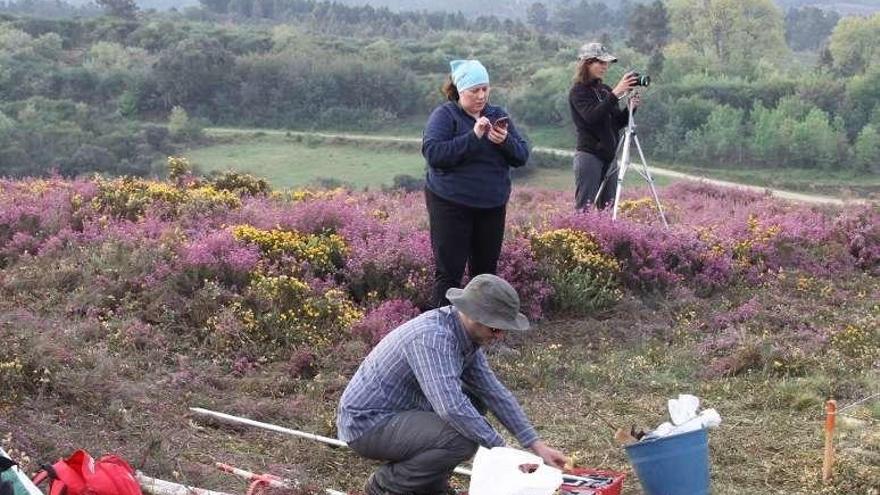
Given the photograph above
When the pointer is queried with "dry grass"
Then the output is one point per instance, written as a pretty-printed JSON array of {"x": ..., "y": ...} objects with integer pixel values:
[{"x": 569, "y": 375}]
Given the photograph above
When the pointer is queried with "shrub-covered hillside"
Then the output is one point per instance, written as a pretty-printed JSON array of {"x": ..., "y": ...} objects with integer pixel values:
[{"x": 123, "y": 301}]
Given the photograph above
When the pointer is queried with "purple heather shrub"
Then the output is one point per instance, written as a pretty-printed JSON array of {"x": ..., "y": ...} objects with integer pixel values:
[
  {"x": 405, "y": 209},
  {"x": 387, "y": 316},
  {"x": 717, "y": 236},
  {"x": 738, "y": 315},
  {"x": 319, "y": 284},
  {"x": 388, "y": 259},
  {"x": 40, "y": 208},
  {"x": 724, "y": 342},
  {"x": 21, "y": 243},
  {"x": 302, "y": 364},
  {"x": 518, "y": 266},
  {"x": 861, "y": 229},
  {"x": 537, "y": 208},
  {"x": 800, "y": 341},
  {"x": 162, "y": 270},
  {"x": 148, "y": 230},
  {"x": 54, "y": 244},
  {"x": 219, "y": 252},
  {"x": 308, "y": 216},
  {"x": 242, "y": 365},
  {"x": 652, "y": 257}
]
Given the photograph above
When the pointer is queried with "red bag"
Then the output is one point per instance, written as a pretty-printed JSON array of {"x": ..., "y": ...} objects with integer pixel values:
[{"x": 80, "y": 474}]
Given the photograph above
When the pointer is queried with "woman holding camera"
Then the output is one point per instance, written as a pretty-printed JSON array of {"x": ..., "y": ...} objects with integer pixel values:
[
  {"x": 470, "y": 147},
  {"x": 598, "y": 119}
]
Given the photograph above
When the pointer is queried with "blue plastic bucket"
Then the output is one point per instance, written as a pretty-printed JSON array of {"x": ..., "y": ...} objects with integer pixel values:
[{"x": 674, "y": 465}]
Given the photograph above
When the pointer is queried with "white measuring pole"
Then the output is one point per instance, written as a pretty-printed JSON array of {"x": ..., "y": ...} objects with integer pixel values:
[
  {"x": 287, "y": 431},
  {"x": 267, "y": 426}
]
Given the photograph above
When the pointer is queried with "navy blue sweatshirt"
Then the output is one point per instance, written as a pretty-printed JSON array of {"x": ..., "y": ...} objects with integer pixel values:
[{"x": 465, "y": 169}]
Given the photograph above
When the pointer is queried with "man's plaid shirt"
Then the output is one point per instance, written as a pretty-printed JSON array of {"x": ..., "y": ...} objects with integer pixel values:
[{"x": 422, "y": 366}]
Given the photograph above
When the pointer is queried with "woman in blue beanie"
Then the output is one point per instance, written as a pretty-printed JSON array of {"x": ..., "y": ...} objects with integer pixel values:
[{"x": 470, "y": 147}]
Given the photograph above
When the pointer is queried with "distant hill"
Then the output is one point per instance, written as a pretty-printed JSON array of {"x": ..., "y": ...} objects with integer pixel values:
[
  {"x": 147, "y": 4},
  {"x": 517, "y": 8},
  {"x": 851, "y": 8}
]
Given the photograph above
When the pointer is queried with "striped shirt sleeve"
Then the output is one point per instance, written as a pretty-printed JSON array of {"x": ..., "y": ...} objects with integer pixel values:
[
  {"x": 437, "y": 365},
  {"x": 499, "y": 399}
]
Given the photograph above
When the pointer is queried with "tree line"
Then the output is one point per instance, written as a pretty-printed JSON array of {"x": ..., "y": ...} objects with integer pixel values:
[{"x": 97, "y": 93}]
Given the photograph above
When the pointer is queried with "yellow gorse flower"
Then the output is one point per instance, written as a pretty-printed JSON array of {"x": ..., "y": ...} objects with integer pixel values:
[
  {"x": 323, "y": 251},
  {"x": 296, "y": 315},
  {"x": 129, "y": 197},
  {"x": 567, "y": 249},
  {"x": 297, "y": 195},
  {"x": 758, "y": 235},
  {"x": 630, "y": 206},
  {"x": 210, "y": 195}
]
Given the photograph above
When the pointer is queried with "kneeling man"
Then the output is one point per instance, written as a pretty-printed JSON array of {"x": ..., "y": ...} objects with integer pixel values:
[{"x": 415, "y": 401}]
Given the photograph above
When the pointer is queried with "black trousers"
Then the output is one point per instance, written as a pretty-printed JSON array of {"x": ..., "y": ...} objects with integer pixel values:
[
  {"x": 589, "y": 171},
  {"x": 462, "y": 235}
]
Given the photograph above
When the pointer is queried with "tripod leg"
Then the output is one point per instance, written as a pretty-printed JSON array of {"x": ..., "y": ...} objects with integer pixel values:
[
  {"x": 622, "y": 166},
  {"x": 599, "y": 192},
  {"x": 647, "y": 174},
  {"x": 611, "y": 171}
]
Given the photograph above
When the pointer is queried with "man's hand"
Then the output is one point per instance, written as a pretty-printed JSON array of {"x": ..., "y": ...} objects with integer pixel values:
[{"x": 551, "y": 456}]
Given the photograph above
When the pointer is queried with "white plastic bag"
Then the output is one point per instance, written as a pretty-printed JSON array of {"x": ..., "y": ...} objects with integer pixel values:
[
  {"x": 683, "y": 412},
  {"x": 683, "y": 409},
  {"x": 497, "y": 471}
]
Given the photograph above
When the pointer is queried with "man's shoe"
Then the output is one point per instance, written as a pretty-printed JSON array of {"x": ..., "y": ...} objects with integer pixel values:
[{"x": 372, "y": 487}]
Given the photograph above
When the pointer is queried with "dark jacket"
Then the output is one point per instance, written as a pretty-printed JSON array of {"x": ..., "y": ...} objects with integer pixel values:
[
  {"x": 465, "y": 169},
  {"x": 597, "y": 117}
]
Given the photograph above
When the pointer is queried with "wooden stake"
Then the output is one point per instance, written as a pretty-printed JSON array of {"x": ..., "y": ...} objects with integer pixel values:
[
  {"x": 156, "y": 486},
  {"x": 270, "y": 480},
  {"x": 830, "y": 417}
]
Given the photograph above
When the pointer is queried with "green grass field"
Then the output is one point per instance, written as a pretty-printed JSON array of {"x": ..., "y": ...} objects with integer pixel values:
[
  {"x": 844, "y": 184},
  {"x": 288, "y": 162}
]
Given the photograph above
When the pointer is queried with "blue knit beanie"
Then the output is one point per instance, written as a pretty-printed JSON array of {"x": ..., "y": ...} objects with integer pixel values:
[{"x": 468, "y": 73}]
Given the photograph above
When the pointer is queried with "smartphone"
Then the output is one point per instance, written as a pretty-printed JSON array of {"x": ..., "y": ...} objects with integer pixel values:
[{"x": 501, "y": 122}]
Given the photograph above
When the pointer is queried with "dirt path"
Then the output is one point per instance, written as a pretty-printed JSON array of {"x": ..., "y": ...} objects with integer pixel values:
[{"x": 778, "y": 193}]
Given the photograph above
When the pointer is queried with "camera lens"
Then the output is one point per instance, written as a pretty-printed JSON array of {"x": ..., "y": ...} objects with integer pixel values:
[{"x": 642, "y": 79}]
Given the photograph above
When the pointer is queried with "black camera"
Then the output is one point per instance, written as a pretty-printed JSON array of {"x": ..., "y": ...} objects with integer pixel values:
[{"x": 642, "y": 79}]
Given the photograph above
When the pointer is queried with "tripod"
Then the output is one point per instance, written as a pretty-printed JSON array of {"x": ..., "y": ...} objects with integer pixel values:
[{"x": 623, "y": 163}]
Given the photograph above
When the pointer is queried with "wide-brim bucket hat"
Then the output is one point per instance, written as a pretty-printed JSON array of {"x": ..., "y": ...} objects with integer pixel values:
[{"x": 490, "y": 300}]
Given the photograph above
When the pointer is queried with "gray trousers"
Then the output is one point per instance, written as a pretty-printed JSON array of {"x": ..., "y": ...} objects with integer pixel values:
[
  {"x": 589, "y": 171},
  {"x": 421, "y": 450}
]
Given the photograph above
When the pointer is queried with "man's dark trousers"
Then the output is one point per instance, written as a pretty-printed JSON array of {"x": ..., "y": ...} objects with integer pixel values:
[
  {"x": 421, "y": 451},
  {"x": 462, "y": 235}
]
